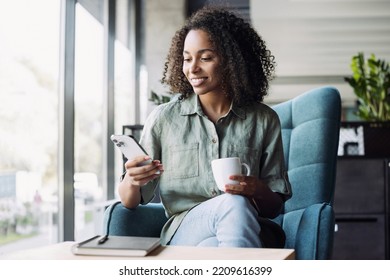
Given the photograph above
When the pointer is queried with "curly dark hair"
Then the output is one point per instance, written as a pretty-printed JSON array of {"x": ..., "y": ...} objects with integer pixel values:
[{"x": 247, "y": 65}]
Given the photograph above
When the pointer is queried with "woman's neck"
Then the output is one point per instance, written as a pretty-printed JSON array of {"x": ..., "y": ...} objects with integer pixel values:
[{"x": 215, "y": 105}]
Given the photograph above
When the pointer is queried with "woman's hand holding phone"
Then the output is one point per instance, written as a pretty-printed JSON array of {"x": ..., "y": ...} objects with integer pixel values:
[
  {"x": 140, "y": 168},
  {"x": 137, "y": 175},
  {"x": 141, "y": 173}
]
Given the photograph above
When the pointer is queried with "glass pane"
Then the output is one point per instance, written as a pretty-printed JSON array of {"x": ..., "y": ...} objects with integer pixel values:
[
  {"x": 124, "y": 81},
  {"x": 29, "y": 63},
  {"x": 88, "y": 123}
]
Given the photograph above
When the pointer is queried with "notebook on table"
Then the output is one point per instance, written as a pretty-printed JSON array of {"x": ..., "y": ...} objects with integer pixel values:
[{"x": 125, "y": 246}]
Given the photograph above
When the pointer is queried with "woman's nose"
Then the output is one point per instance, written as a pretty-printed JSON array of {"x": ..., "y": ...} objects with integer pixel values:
[{"x": 194, "y": 67}]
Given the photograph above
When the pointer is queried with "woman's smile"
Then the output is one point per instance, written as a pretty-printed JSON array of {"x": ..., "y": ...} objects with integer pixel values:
[{"x": 196, "y": 82}]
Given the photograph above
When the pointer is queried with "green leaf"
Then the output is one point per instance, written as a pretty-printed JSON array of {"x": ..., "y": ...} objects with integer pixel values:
[{"x": 370, "y": 81}]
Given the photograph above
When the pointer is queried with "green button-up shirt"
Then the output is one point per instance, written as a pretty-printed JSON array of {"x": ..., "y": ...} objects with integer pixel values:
[{"x": 181, "y": 136}]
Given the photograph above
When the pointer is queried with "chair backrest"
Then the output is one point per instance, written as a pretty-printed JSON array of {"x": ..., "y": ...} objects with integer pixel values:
[{"x": 310, "y": 131}]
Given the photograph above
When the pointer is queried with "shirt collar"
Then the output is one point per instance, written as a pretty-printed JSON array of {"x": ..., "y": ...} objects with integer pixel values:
[
  {"x": 191, "y": 106},
  {"x": 238, "y": 111}
]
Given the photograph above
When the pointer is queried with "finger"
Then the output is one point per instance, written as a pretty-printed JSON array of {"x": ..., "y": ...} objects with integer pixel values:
[
  {"x": 239, "y": 178},
  {"x": 234, "y": 188},
  {"x": 136, "y": 161},
  {"x": 242, "y": 188},
  {"x": 143, "y": 181},
  {"x": 145, "y": 178},
  {"x": 145, "y": 171},
  {"x": 142, "y": 162},
  {"x": 234, "y": 192}
]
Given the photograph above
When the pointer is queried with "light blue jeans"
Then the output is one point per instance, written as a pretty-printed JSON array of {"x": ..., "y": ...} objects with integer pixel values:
[{"x": 223, "y": 221}]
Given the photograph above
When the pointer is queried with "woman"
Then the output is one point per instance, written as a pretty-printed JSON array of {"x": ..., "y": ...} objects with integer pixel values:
[{"x": 221, "y": 68}]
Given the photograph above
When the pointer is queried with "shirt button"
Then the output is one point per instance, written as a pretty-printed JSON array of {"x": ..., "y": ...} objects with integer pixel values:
[
  {"x": 213, "y": 192},
  {"x": 214, "y": 140}
]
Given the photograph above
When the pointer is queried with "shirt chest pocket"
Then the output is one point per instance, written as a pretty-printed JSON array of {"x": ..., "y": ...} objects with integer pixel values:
[{"x": 182, "y": 161}]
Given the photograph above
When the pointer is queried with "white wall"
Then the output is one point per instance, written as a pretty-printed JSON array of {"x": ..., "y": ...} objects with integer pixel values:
[{"x": 314, "y": 40}]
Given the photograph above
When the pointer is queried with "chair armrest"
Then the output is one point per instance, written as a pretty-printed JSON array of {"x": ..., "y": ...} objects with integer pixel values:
[
  {"x": 144, "y": 220},
  {"x": 314, "y": 232}
]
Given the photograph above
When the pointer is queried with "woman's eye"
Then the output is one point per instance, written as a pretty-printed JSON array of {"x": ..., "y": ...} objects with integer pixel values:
[{"x": 205, "y": 58}]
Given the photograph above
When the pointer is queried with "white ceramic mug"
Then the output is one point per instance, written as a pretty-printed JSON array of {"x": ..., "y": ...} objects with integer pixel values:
[{"x": 223, "y": 168}]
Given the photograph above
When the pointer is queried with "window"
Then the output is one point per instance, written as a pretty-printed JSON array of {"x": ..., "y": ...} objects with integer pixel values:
[
  {"x": 29, "y": 63},
  {"x": 41, "y": 183},
  {"x": 124, "y": 81},
  {"x": 88, "y": 120}
]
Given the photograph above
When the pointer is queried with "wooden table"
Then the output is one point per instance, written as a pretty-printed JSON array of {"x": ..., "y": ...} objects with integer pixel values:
[{"x": 62, "y": 251}]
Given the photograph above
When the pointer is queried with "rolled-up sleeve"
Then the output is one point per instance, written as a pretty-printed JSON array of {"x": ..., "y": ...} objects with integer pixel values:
[
  {"x": 272, "y": 164},
  {"x": 150, "y": 141}
]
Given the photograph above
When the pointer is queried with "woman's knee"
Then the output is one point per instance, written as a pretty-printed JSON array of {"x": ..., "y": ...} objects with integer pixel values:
[{"x": 236, "y": 201}]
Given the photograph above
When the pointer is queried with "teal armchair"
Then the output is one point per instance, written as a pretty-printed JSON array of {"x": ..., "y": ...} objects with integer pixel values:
[{"x": 310, "y": 131}]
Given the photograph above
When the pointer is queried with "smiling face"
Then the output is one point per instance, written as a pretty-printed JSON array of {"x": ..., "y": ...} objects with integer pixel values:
[{"x": 201, "y": 63}]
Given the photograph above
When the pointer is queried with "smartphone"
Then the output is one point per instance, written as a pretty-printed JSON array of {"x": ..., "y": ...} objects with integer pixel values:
[{"x": 129, "y": 147}]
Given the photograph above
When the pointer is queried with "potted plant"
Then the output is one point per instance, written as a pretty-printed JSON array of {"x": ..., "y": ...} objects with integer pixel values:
[
  {"x": 371, "y": 84},
  {"x": 158, "y": 99},
  {"x": 370, "y": 81}
]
